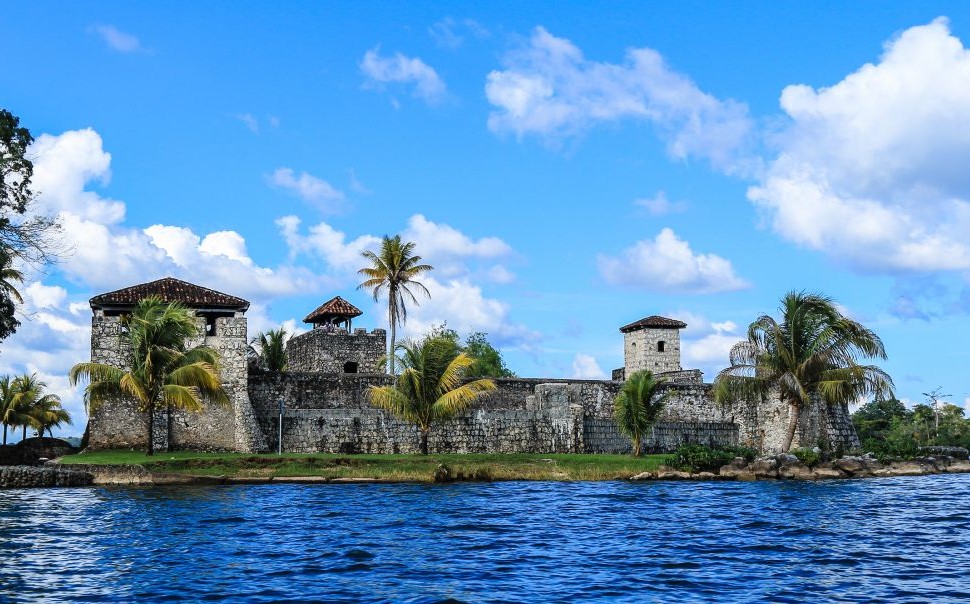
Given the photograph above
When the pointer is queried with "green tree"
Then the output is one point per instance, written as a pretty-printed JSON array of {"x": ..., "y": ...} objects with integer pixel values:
[
  {"x": 272, "y": 349},
  {"x": 638, "y": 405},
  {"x": 813, "y": 351},
  {"x": 162, "y": 370},
  {"x": 877, "y": 418},
  {"x": 10, "y": 414},
  {"x": 488, "y": 360},
  {"x": 394, "y": 269},
  {"x": 430, "y": 386},
  {"x": 26, "y": 234},
  {"x": 33, "y": 406}
]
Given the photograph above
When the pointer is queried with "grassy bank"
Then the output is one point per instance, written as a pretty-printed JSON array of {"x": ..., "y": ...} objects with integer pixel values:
[{"x": 418, "y": 468}]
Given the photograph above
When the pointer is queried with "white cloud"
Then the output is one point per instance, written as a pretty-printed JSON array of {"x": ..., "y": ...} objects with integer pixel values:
[
  {"x": 250, "y": 121},
  {"x": 872, "y": 170},
  {"x": 63, "y": 167},
  {"x": 39, "y": 295},
  {"x": 714, "y": 348},
  {"x": 326, "y": 242},
  {"x": 500, "y": 274},
  {"x": 117, "y": 39},
  {"x": 585, "y": 367},
  {"x": 449, "y": 250},
  {"x": 401, "y": 69},
  {"x": 464, "y": 306},
  {"x": 667, "y": 264},
  {"x": 549, "y": 89},
  {"x": 309, "y": 188},
  {"x": 659, "y": 205},
  {"x": 107, "y": 254}
]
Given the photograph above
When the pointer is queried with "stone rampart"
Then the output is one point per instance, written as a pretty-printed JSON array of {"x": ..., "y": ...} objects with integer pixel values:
[{"x": 335, "y": 352}]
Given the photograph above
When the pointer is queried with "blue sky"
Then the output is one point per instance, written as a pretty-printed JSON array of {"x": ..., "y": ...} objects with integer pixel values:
[{"x": 567, "y": 168}]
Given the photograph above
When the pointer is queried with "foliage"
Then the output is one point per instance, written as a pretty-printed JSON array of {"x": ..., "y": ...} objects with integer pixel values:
[
  {"x": 638, "y": 405},
  {"x": 22, "y": 233},
  {"x": 24, "y": 403},
  {"x": 8, "y": 293},
  {"x": 702, "y": 458},
  {"x": 808, "y": 456},
  {"x": 394, "y": 269},
  {"x": 890, "y": 431},
  {"x": 488, "y": 361},
  {"x": 812, "y": 352},
  {"x": 161, "y": 370},
  {"x": 430, "y": 386},
  {"x": 272, "y": 349}
]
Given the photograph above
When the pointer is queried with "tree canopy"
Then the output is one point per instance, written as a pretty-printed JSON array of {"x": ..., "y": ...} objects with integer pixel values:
[{"x": 487, "y": 360}]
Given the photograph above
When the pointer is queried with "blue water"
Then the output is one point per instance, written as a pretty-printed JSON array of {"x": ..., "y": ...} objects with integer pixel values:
[{"x": 881, "y": 540}]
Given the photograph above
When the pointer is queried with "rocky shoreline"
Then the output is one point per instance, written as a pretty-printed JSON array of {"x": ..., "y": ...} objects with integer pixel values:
[
  {"x": 788, "y": 467},
  {"x": 22, "y": 477}
]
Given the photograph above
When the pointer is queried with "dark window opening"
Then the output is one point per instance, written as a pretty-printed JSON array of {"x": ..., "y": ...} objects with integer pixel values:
[
  {"x": 210, "y": 321},
  {"x": 660, "y": 346},
  {"x": 350, "y": 367}
]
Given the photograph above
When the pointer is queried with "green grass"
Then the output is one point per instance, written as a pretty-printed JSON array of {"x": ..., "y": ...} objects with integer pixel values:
[{"x": 418, "y": 468}]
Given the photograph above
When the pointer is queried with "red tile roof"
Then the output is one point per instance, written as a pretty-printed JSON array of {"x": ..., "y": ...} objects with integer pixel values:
[
  {"x": 336, "y": 307},
  {"x": 170, "y": 290},
  {"x": 654, "y": 321}
]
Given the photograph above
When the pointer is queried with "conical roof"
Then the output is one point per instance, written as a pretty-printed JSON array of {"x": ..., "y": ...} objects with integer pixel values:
[
  {"x": 169, "y": 289},
  {"x": 336, "y": 307}
]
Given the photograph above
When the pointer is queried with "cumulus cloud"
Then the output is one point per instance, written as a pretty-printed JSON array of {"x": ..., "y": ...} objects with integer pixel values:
[
  {"x": 117, "y": 39},
  {"x": 712, "y": 349},
  {"x": 309, "y": 188},
  {"x": 107, "y": 254},
  {"x": 585, "y": 367},
  {"x": 449, "y": 250},
  {"x": 550, "y": 89},
  {"x": 400, "y": 69},
  {"x": 327, "y": 243},
  {"x": 872, "y": 170},
  {"x": 668, "y": 264}
]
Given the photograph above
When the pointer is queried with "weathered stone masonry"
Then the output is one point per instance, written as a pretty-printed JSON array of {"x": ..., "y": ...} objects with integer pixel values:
[{"x": 331, "y": 367}]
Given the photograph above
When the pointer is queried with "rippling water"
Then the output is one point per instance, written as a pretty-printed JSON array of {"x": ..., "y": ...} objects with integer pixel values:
[{"x": 887, "y": 540}]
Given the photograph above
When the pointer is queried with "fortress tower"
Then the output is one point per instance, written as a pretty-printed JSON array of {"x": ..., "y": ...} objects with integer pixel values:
[
  {"x": 331, "y": 348},
  {"x": 652, "y": 343},
  {"x": 221, "y": 325}
]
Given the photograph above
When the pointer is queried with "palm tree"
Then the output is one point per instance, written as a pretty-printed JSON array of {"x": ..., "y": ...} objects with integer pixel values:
[
  {"x": 9, "y": 414},
  {"x": 8, "y": 273},
  {"x": 272, "y": 349},
  {"x": 36, "y": 408},
  {"x": 394, "y": 269},
  {"x": 162, "y": 370},
  {"x": 812, "y": 353},
  {"x": 638, "y": 405},
  {"x": 430, "y": 386}
]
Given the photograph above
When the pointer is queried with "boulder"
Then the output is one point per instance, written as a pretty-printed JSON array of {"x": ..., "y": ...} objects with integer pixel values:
[
  {"x": 644, "y": 476},
  {"x": 764, "y": 467},
  {"x": 853, "y": 466},
  {"x": 826, "y": 472},
  {"x": 795, "y": 471},
  {"x": 666, "y": 473}
]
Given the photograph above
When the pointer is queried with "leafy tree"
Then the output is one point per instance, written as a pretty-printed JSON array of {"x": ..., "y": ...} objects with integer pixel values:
[
  {"x": 638, "y": 405},
  {"x": 162, "y": 369},
  {"x": 395, "y": 269},
  {"x": 487, "y": 359},
  {"x": 28, "y": 235},
  {"x": 272, "y": 349},
  {"x": 430, "y": 386},
  {"x": 10, "y": 415},
  {"x": 26, "y": 404},
  {"x": 876, "y": 418},
  {"x": 811, "y": 352}
]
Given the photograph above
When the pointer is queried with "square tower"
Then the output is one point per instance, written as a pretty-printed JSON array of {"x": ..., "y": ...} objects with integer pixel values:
[{"x": 652, "y": 343}]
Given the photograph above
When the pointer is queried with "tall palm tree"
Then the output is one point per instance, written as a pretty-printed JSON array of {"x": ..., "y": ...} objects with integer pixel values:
[
  {"x": 812, "y": 352},
  {"x": 37, "y": 409},
  {"x": 162, "y": 370},
  {"x": 638, "y": 405},
  {"x": 9, "y": 414},
  {"x": 272, "y": 349},
  {"x": 394, "y": 269},
  {"x": 429, "y": 387}
]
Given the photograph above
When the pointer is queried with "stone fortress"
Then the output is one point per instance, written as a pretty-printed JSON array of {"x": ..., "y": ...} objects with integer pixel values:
[{"x": 330, "y": 367}]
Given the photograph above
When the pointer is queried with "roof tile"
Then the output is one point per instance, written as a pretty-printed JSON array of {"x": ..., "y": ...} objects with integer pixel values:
[{"x": 170, "y": 290}]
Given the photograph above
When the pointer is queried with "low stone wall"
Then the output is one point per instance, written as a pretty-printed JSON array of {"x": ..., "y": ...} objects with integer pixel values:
[
  {"x": 603, "y": 436},
  {"x": 123, "y": 474},
  {"x": 21, "y": 477}
]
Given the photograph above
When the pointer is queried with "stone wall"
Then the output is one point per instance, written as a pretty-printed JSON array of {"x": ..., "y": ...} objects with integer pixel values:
[
  {"x": 119, "y": 423},
  {"x": 640, "y": 350},
  {"x": 603, "y": 436},
  {"x": 323, "y": 351}
]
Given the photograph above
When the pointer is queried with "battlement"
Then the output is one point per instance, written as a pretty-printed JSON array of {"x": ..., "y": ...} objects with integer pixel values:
[{"x": 333, "y": 350}]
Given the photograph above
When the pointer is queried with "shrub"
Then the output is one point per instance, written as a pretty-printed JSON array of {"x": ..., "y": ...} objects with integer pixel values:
[
  {"x": 701, "y": 458},
  {"x": 809, "y": 457}
]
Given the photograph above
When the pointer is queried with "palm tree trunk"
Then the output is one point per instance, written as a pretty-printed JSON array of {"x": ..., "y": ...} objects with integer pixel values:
[
  {"x": 393, "y": 322},
  {"x": 636, "y": 446},
  {"x": 793, "y": 412},
  {"x": 23, "y": 437},
  {"x": 5, "y": 433},
  {"x": 424, "y": 440}
]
